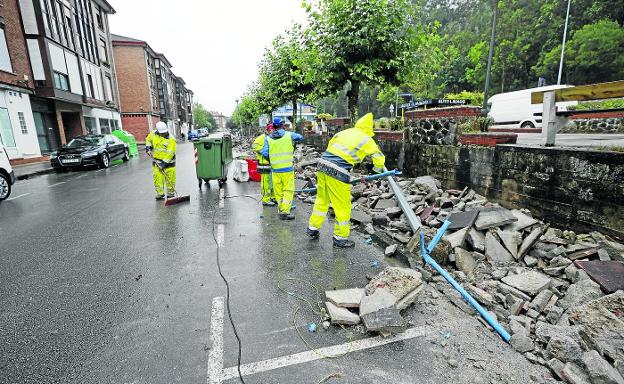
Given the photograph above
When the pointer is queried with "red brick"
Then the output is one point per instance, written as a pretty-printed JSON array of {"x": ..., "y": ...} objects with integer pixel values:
[{"x": 16, "y": 44}]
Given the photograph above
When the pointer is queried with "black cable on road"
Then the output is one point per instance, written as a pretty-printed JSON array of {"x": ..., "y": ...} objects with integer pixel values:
[{"x": 227, "y": 296}]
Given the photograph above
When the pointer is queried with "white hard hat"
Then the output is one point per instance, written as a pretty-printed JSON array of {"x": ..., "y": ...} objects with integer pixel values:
[{"x": 161, "y": 127}]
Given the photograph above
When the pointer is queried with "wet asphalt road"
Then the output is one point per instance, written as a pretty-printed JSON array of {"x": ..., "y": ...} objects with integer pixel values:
[{"x": 99, "y": 283}]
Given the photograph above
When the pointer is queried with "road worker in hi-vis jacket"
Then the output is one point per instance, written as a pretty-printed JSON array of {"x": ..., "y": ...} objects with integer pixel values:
[
  {"x": 279, "y": 148},
  {"x": 264, "y": 168},
  {"x": 346, "y": 149},
  {"x": 161, "y": 147}
]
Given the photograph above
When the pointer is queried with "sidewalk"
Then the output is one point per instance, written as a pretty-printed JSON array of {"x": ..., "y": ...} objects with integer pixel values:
[{"x": 29, "y": 170}]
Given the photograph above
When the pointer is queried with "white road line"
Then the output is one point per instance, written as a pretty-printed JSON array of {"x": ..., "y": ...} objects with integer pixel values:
[
  {"x": 308, "y": 356},
  {"x": 220, "y": 235},
  {"x": 221, "y": 198},
  {"x": 100, "y": 170},
  {"x": 215, "y": 356},
  {"x": 18, "y": 196},
  {"x": 81, "y": 176},
  {"x": 54, "y": 185}
]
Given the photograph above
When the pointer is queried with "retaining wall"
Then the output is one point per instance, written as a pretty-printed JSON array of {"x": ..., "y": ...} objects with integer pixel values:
[{"x": 577, "y": 189}]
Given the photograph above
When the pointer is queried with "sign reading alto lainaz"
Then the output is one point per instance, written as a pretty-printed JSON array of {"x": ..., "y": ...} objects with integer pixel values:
[{"x": 433, "y": 103}]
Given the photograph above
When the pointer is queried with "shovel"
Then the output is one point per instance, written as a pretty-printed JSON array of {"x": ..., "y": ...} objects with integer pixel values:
[{"x": 172, "y": 200}]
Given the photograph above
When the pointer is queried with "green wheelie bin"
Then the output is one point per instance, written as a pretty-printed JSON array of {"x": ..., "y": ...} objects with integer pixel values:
[
  {"x": 129, "y": 139},
  {"x": 213, "y": 155}
]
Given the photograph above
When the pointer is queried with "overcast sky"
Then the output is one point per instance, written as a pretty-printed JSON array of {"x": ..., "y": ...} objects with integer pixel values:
[{"x": 214, "y": 45}]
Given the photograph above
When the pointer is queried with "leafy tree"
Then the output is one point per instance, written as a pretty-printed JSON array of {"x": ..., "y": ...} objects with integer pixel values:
[
  {"x": 246, "y": 113},
  {"x": 203, "y": 118},
  {"x": 360, "y": 42},
  {"x": 595, "y": 53}
]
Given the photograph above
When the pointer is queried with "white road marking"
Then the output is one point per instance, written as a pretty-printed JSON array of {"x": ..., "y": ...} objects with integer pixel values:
[
  {"x": 100, "y": 170},
  {"x": 221, "y": 198},
  {"x": 220, "y": 235},
  {"x": 54, "y": 185},
  {"x": 18, "y": 196},
  {"x": 215, "y": 356},
  {"x": 308, "y": 356},
  {"x": 81, "y": 176}
]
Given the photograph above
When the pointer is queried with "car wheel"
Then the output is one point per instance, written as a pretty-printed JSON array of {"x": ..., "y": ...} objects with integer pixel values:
[
  {"x": 5, "y": 187},
  {"x": 126, "y": 155},
  {"x": 105, "y": 160},
  {"x": 527, "y": 124}
]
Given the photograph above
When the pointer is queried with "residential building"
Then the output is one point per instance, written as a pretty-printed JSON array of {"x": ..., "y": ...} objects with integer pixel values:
[
  {"x": 17, "y": 126},
  {"x": 136, "y": 70},
  {"x": 149, "y": 90},
  {"x": 220, "y": 118},
  {"x": 73, "y": 68},
  {"x": 305, "y": 112}
]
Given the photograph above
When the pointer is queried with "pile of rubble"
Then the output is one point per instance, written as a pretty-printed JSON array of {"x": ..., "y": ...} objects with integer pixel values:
[
  {"x": 557, "y": 292},
  {"x": 378, "y": 306}
]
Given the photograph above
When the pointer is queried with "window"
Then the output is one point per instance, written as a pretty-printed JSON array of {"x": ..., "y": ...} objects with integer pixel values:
[
  {"x": 90, "y": 86},
  {"x": 22, "y": 121},
  {"x": 61, "y": 81},
  {"x": 104, "y": 126},
  {"x": 6, "y": 131},
  {"x": 103, "y": 51},
  {"x": 90, "y": 125},
  {"x": 69, "y": 32},
  {"x": 98, "y": 17},
  {"x": 109, "y": 88},
  {"x": 5, "y": 59}
]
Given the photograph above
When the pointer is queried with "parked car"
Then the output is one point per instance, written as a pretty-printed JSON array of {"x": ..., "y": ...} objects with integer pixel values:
[
  {"x": 90, "y": 150},
  {"x": 514, "y": 109},
  {"x": 204, "y": 132},
  {"x": 193, "y": 135},
  {"x": 7, "y": 176}
]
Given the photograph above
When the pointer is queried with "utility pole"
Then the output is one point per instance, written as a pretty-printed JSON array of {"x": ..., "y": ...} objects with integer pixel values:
[
  {"x": 484, "y": 109},
  {"x": 565, "y": 34}
]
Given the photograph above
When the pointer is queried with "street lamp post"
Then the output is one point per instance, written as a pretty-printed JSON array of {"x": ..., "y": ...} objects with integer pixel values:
[
  {"x": 489, "y": 63},
  {"x": 565, "y": 33}
]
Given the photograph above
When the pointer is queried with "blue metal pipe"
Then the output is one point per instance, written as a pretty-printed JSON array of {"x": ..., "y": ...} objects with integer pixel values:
[
  {"x": 376, "y": 176},
  {"x": 425, "y": 254}
]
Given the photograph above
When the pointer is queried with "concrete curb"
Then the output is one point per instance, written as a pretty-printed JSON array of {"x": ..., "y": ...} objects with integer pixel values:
[{"x": 40, "y": 172}]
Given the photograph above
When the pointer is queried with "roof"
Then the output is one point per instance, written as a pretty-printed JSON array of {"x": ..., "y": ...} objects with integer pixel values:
[
  {"x": 115, "y": 37},
  {"x": 163, "y": 58},
  {"x": 129, "y": 41}
]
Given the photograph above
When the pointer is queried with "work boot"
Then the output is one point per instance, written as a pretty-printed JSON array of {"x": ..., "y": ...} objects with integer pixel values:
[
  {"x": 313, "y": 233},
  {"x": 268, "y": 203},
  {"x": 170, "y": 195},
  {"x": 344, "y": 243},
  {"x": 286, "y": 216},
  {"x": 159, "y": 197}
]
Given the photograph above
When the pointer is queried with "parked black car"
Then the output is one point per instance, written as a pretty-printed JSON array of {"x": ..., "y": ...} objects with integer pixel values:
[{"x": 89, "y": 150}]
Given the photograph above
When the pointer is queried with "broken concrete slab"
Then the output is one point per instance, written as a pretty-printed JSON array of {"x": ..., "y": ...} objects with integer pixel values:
[
  {"x": 528, "y": 242},
  {"x": 360, "y": 217},
  {"x": 495, "y": 252},
  {"x": 340, "y": 315},
  {"x": 480, "y": 295},
  {"x": 385, "y": 203},
  {"x": 409, "y": 299},
  {"x": 493, "y": 217},
  {"x": 461, "y": 220},
  {"x": 394, "y": 212},
  {"x": 580, "y": 293},
  {"x": 398, "y": 281},
  {"x": 573, "y": 374},
  {"x": 346, "y": 298},
  {"x": 586, "y": 253},
  {"x": 524, "y": 221},
  {"x": 530, "y": 282},
  {"x": 608, "y": 274},
  {"x": 429, "y": 182},
  {"x": 465, "y": 261},
  {"x": 600, "y": 316},
  {"x": 387, "y": 320},
  {"x": 565, "y": 348},
  {"x": 541, "y": 300},
  {"x": 521, "y": 342},
  {"x": 457, "y": 238},
  {"x": 510, "y": 240},
  {"x": 380, "y": 299},
  {"x": 476, "y": 239},
  {"x": 599, "y": 370}
]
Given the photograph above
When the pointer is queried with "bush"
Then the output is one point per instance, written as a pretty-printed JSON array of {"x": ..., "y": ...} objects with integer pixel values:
[
  {"x": 324, "y": 116},
  {"x": 474, "y": 98},
  {"x": 480, "y": 124},
  {"x": 597, "y": 105},
  {"x": 397, "y": 124},
  {"x": 382, "y": 123}
]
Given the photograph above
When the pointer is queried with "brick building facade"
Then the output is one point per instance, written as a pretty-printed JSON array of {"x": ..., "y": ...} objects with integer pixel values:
[
  {"x": 149, "y": 90},
  {"x": 17, "y": 127}
]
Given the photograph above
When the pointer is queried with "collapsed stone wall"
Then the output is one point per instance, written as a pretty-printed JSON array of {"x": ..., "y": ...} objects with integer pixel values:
[{"x": 578, "y": 189}]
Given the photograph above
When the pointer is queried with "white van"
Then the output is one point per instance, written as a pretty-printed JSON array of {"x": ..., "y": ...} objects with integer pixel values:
[
  {"x": 7, "y": 176},
  {"x": 514, "y": 109}
]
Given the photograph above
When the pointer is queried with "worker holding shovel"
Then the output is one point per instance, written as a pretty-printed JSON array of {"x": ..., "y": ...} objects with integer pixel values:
[
  {"x": 346, "y": 149},
  {"x": 162, "y": 149},
  {"x": 264, "y": 168}
]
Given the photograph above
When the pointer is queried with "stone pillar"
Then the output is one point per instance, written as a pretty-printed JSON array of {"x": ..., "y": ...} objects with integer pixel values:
[
  {"x": 83, "y": 125},
  {"x": 549, "y": 119}
]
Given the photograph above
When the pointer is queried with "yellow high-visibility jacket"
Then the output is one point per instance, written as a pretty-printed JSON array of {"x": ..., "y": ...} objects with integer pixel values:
[
  {"x": 164, "y": 149},
  {"x": 354, "y": 144},
  {"x": 257, "y": 147}
]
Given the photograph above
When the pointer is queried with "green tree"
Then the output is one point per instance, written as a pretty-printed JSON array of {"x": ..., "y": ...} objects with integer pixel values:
[
  {"x": 360, "y": 42},
  {"x": 203, "y": 118},
  {"x": 595, "y": 53},
  {"x": 247, "y": 112}
]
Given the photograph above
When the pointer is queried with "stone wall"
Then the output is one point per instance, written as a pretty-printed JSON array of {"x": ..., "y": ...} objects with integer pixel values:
[
  {"x": 576, "y": 189},
  {"x": 595, "y": 125}
]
